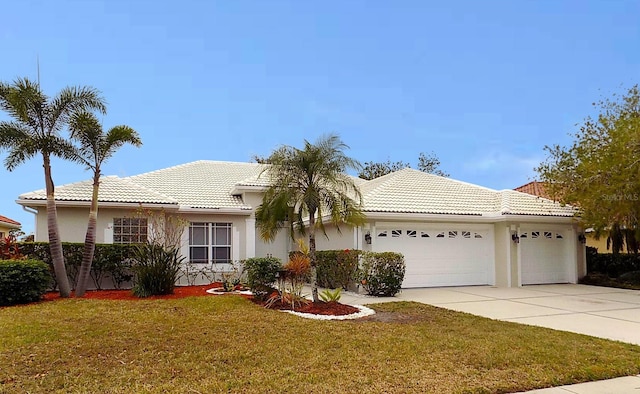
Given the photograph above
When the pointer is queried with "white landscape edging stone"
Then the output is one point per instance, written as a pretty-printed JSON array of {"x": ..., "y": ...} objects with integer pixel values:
[
  {"x": 364, "y": 311},
  {"x": 220, "y": 291}
]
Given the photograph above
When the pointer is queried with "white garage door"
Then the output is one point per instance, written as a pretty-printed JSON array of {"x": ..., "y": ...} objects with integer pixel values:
[
  {"x": 545, "y": 255},
  {"x": 441, "y": 256}
]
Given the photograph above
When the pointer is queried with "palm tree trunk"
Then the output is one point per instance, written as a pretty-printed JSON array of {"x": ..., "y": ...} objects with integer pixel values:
[
  {"x": 312, "y": 257},
  {"x": 54, "y": 235},
  {"x": 89, "y": 240}
]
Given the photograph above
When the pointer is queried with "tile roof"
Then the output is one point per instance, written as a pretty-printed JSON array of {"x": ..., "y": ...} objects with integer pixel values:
[
  {"x": 517, "y": 203},
  {"x": 536, "y": 188},
  {"x": 112, "y": 189},
  {"x": 201, "y": 184},
  {"x": 6, "y": 220},
  {"x": 212, "y": 184},
  {"x": 413, "y": 191}
]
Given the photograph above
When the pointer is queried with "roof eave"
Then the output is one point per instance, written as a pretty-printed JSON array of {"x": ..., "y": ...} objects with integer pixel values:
[
  {"x": 239, "y": 189},
  {"x": 216, "y": 210},
  {"x": 102, "y": 204},
  {"x": 10, "y": 225}
]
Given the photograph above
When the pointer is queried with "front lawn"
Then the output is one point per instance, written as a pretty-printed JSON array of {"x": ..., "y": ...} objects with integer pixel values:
[{"x": 228, "y": 344}]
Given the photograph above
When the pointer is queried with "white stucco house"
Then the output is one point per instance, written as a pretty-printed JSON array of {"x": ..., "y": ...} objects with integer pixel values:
[{"x": 451, "y": 233}]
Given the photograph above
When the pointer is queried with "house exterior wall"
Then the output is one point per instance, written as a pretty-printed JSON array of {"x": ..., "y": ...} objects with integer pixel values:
[
  {"x": 334, "y": 240},
  {"x": 600, "y": 244},
  {"x": 72, "y": 223},
  {"x": 502, "y": 255},
  {"x": 278, "y": 248},
  {"x": 4, "y": 230}
]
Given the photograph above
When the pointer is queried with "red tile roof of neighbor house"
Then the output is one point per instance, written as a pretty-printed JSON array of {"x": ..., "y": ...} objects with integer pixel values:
[
  {"x": 5, "y": 219},
  {"x": 535, "y": 188}
]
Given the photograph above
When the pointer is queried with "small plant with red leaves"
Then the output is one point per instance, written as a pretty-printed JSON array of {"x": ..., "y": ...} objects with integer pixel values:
[{"x": 9, "y": 249}]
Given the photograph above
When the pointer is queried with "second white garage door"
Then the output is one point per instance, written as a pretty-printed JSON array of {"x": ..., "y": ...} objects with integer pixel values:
[
  {"x": 441, "y": 255},
  {"x": 546, "y": 255}
]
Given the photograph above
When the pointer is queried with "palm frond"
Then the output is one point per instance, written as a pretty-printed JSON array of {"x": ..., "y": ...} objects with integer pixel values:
[
  {"x": 71, "y": 100},
  {"x": 313, "y": 180}
]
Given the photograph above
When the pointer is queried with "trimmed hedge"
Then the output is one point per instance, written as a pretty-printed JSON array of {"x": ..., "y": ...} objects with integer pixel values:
[
  {"x": 109, "y": 261},
  {"x": 261, "y": 273},
  {"x": 382, "y": 273},
  {"x": 612, "y": 265},
  {"x": 23, "y": 281},
  {"x": 337, "y": 268}
]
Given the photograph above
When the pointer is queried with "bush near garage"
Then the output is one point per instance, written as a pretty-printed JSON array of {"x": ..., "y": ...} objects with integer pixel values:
[
  {"x": 382, "y": 273},
  {"x": 337, "y": 268},
  {"x": 612, "y": 270},
  {"x": 23, "y": 281},
  {"x": 611, "y": 264}
]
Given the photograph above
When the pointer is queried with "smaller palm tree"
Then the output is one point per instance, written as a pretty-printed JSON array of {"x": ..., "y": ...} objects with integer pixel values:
[
  {"x": 95, "y": 148},
  {"x": 310, "y": 184},
  {"x": 34, "y": 130}
]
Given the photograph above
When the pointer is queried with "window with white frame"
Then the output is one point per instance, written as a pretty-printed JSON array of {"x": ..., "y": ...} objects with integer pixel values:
[
  {"x": 130, "y": 230},
  {"x": 209, "y": 243}
]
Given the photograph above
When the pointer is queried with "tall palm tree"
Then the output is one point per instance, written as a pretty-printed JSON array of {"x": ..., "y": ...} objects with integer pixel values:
[
  {"x": 310, "y": 183},
  {"x": 37, "y": 121},
  {"x": 95, "y": 148}
]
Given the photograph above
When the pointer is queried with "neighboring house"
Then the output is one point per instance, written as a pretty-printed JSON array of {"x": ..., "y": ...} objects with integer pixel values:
[
  {"x": 451, "y": 233},
  {"x": 537, "y": 188},
  {"x": 7, "y": 225}
]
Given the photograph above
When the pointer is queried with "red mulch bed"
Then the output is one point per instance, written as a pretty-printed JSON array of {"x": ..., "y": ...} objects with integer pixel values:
[
  {"x": 179, "y": 292},
  {"x": 318, "y": 308}
]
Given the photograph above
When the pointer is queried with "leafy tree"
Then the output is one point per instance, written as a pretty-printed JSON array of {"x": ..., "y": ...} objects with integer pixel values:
[
  {"x": 426, "y": 163},
  {"x": 600, "y": 171},
  {"x": 373, "y": 170},
  {"x": 37, "y": 121},
  {"x": 310, "y": 183},
  {"x": 430, "y": 164},
  {"x": 95, "y": 148}
]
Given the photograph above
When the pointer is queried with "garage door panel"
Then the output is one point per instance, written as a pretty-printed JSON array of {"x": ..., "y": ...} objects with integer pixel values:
[
  {"x": 441, "y": 256},
  {"x": 544, "y": 256}
]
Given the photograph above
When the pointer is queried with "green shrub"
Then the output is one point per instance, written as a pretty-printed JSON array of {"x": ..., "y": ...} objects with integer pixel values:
[
  {"x": 337, "y": 268},
  {"x": 261, "y": 274},
  {"x": 632, "y": 277},
  {"x": 109, "y": 261},
  {"x": 331, "y": 295},
  {"x": 382, "y": 273},
  {"x": 22, "y": 281},
  {"x": 613, "y": 265},
  {"x": 156, "y": 270}
]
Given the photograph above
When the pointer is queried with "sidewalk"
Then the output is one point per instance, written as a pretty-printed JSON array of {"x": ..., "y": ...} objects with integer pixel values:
[{"x": 624, "y": 385}]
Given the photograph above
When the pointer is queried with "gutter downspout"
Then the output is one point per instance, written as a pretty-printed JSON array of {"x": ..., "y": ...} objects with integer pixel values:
[{"x": 35, "y": 219}]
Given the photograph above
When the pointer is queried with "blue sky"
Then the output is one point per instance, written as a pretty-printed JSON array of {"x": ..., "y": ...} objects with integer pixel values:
[{"x": 485, "y": 85}]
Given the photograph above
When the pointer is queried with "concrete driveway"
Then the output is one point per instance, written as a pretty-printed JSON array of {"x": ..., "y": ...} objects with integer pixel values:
[{"x": 592, "y": 310}]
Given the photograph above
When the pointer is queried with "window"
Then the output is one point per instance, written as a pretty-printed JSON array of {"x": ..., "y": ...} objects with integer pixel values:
[
  {"x": 440, "y": 234},
  {"x": 396, "y": 233},
  {"x": 535, "y": 234},
  {"x": 424, "y": 234},
  {"x": 523, "y": 235},
  {"x": 130, "y": 230},
  {"x": 210, "y": 243},
  {"x": 453, "y": 234},
  {"x": 1, "y": 234},
  {"x": 559, "y": 236},
  {"x": 466, "y": 234},
  {"x": 411, "y": 233},
  {"x": 547, "y": 234},
  {"x": 477, "y": 235},
  {"x": 382, "y": 233}
]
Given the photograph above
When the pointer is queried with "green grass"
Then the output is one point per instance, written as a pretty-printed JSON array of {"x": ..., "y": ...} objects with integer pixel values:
[{"x": 228, "y": 344}]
